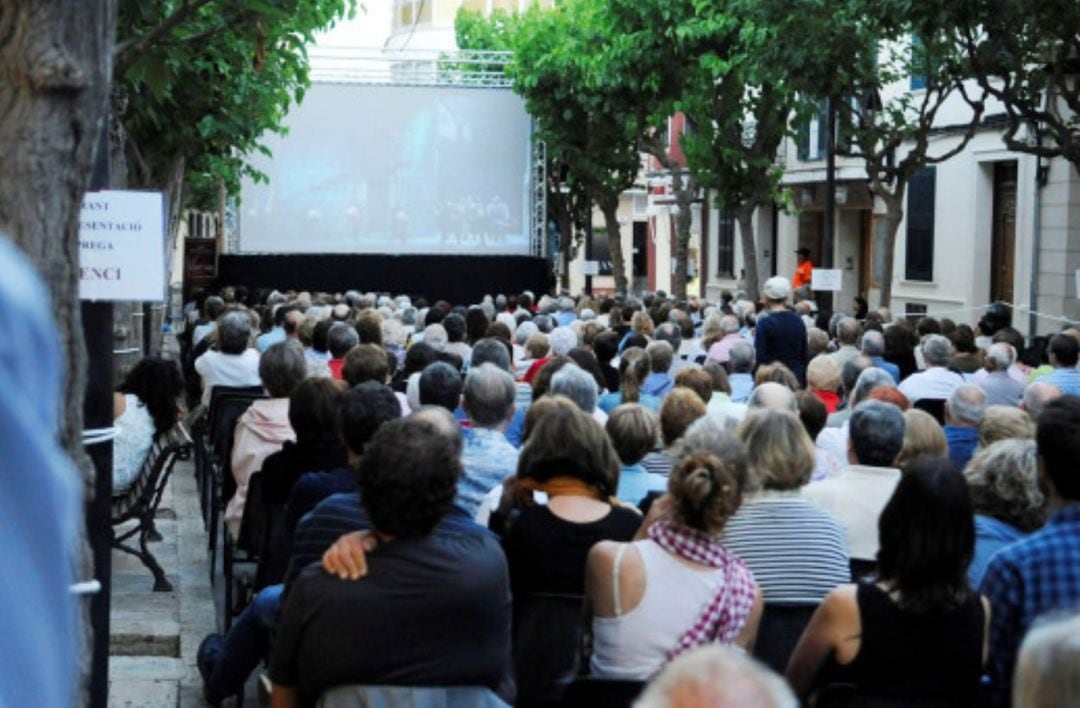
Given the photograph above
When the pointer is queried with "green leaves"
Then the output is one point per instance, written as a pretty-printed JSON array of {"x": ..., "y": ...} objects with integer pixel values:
[{"x": 213, "y": 80}]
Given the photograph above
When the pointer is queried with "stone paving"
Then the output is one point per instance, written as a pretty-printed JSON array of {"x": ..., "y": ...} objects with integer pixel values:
[{"x": 155, "y": 634}]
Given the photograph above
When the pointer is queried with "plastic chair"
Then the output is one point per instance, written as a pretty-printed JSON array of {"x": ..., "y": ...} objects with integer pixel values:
[
  {"x": 546, "y": 636},
  {"x": 779, "y": 632}
]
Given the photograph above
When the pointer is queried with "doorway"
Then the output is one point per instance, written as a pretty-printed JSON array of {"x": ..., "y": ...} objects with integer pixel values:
[{"x": 1003, "y": 253}]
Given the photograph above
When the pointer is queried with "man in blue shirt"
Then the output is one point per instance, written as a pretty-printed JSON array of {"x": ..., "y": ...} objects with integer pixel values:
[
  {"x": 873, "y": 348},
  {"x": 741, "y": 360},
  {"x": 1064, "y": 352},
  {"x": 780, "y": 334},
  {"x": 1041, "y": 573},
  {"x": 487, "y": 456},
  {"x": 964, "y": 411},
  {"x": 660, "y": 382}
]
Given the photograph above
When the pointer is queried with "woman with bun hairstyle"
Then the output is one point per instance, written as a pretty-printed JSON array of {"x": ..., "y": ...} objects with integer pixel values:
[
  {"x": 675, "y": 587},
  {"x": 634, "y": 366}
]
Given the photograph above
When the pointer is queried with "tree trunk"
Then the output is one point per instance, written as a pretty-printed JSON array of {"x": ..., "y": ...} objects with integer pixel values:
[
  {"x": 57, "y": 64},
  {"x": 680, "y": 249},
  {"x": 744, "y": 214},
  {"x": 560, "y": 211},
  {"x": 609, "y": 207},
  {"x": 894, "y": 214}
]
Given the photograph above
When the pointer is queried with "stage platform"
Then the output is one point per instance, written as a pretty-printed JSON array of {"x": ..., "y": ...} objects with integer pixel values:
[{"x": 457, "y": 279}]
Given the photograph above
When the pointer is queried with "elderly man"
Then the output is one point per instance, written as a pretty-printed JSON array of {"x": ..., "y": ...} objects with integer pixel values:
[
  {"x": 780, "y": 334},
  {"x": 278, "y": 333},
  {"x": 564, "y": 316},
  {"x": 847, "y": 337},
  {"x": 234, "y": 363},
  {"x": 488, "y": 458},
  {"x": 340, "y": 338},
  {"x": 659, "y": 381},
  {"x": 389, "y": 628},
  {"x": 963, "y": 412},
  {"x": 773, "y": 396},
  {"x": 1064, "y": 351},
  {"x": 849, "y": 376},
  {"x": 1041, "y": 573},
  {"x": 938, "y": 381},
  {"x": 1037, "y": 396},
  {"x": 742, "y": 366},
  {"x": 873, "y": 348},
  {"x": 860, "y": 491},
  {"x": 1001, "y": 389},
  {"x": 440, "y": 385}
]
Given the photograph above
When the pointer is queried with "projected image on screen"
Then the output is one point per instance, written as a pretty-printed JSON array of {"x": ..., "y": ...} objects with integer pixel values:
[{"x": 381, "y": 169}]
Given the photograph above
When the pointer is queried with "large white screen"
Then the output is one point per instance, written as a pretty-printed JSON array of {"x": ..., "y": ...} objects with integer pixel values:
[{"x": 393, "y": 169}]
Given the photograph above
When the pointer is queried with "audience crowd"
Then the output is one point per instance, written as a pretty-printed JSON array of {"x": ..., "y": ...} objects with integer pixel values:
[{"x": 527, "y": 498}]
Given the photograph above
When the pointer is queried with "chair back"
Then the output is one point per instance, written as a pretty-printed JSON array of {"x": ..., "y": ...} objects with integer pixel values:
[
  {"x": 227, "y": 404},
  {"x": 779, "y": 632},
  {"x": 933, "y": 406},
  {"x": 410, "y": 697},
  {"x": 547, "y": 634},
  {"x": 601, "y": 693}
]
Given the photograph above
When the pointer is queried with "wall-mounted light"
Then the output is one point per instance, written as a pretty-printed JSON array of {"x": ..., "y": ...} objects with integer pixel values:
[
  {"x": 806, "y": 196},
  {"x": 841, "y": 195}
]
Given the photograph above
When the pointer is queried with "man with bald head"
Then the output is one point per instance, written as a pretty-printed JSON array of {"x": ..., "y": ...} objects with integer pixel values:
[
  {"x": 1036, "y": 397},
  {"x": 773, "y": 396},
  {"x": 1000, "y": 388}
]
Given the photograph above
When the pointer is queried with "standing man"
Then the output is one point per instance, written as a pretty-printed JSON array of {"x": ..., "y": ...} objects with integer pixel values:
[
  {"x": 804, "y": 271},
  {"x": 780, "y": 334}
]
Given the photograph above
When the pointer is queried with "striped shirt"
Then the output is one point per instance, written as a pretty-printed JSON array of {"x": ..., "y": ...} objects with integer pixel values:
[{"x": 796, "y": 551}]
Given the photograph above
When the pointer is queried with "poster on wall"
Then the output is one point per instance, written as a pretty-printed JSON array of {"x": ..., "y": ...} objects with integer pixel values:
[{"x": 827, "y": 279}]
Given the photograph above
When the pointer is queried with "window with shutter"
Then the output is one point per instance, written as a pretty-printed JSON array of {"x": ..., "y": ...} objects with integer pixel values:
[{"x": 919, "y": 263}]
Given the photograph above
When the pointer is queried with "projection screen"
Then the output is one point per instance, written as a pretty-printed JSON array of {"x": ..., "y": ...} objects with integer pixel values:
[{"x": 393, "y": 169}]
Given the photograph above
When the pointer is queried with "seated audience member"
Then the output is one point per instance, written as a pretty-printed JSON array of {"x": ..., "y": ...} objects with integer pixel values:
[
  {"x": 434, "y": 334},
  {"x": 454, "y": 325},
  {"x": 847, "y": 339},
  {"x": 916, "y": 634},
  {"x": 389, "y": 628},
  {"x": 849, "y": 377},
  {"x": 873, "y": 348},
  {"x": 817, "y": 342},
  {"x": 773, "y": 395},
  {"x": 364, "y": 408},
  {"x": 417, "y": 358},
  {"x": 859, "y": 492},
  {"x": 561, "y": 340},
  {"x": 967, "y": 358},
  {"x": 212, "y": 309},
  {"x": 234, "y": 363},
  {"x": 812, "y": 415},
  {"x": 1036, "y": 397},
  {"x": 1005, "y": 423},
  {"x": 720, "y": 404},
  {"x": 823, "y": 380},
  {"x": 633, "y": 369},
  {"x": 264, "y": 427},
  {"x": 580, "y": 387},
  {"x": 1000, "y": 387},
  {"x": 659, "y": 382},
  {"x": 370, "y": 362},
  {"x": 922, "y": 436},
  {"x": 605, "y": 346},
  {"x": 964, "y": 412},
  {"x": 938, "y": 381},
  {"x": 680, "y": 409},
  {"x": 776, "y": 372},
  {"x": 720, "y": 351},
  {"x": 440, "y": 385},
  {"x": 634, "y": 430},
  {"x": 536, "y": 349},
  {"x": 670, "y": 333},
  {"x": 698, "y": 380},
  {"x": 487, "y": 456},
  {"x": 1046, "y": 668},
  {"x": 1004, "y": 483},
  {"x": 1040, "y": 573},
  {"x": 568, "y": 457},
  {"x": 1063, "y": 352},
  {"x": 742, "y": 359},
  {"x": 315, "y": 417},
  {"x": 900, "y": 344},
  {"x": 677, "y": 587},
  {"x": 340, "y": 339},
  {"x": 719, "y": 677},
  {"x": 796, "y": 551},
  {"x": 144, "y": 407}
]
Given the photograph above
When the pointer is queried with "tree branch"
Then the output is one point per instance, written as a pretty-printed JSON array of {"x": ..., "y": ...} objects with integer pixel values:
[{"x": 129, "y": 51}]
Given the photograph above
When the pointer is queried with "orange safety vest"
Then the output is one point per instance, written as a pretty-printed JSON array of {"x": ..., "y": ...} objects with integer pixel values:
[{"x": 803, "y": 274}]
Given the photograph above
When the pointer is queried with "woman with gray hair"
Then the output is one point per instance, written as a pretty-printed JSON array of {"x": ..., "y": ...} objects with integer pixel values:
[
  {"x": 1046, "y": 669},
  {"x": 1004, "y": 483}
]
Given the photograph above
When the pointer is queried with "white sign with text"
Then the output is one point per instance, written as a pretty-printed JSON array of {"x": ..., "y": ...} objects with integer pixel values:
[
  {"x": 826, "y": 279},
  {"x": 122, "y": 246},
  {"x": 590, "y": 267}
]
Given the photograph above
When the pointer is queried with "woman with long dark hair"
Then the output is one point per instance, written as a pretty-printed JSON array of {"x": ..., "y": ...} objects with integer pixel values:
[
  {"x": 918, "y": 632},
  {"x": 144, "y": 406}
]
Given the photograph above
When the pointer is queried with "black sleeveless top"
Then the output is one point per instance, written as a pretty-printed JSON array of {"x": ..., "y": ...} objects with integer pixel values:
[{"x": 922, "y": 658}]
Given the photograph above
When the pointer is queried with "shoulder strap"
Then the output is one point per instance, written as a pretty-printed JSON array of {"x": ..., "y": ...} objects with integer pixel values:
[{"x": 615, "y": 578}]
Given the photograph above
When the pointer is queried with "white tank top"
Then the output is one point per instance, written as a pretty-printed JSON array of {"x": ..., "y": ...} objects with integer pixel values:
[{"x": 634, "y": 645}]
